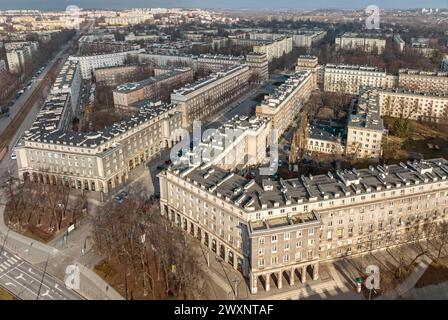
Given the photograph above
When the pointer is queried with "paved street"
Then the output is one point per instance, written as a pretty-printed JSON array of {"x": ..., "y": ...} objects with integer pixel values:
[{"x": 25, "y": 281}]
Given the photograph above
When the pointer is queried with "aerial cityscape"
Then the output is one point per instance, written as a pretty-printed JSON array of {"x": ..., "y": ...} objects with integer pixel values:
[{"x": 250, "y": 151}]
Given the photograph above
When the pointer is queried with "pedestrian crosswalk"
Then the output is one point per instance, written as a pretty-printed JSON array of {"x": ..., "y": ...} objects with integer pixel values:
[{"x": 8, "y": 261}]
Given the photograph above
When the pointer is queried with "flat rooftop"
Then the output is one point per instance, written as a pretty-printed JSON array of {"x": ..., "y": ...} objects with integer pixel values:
[{"x": 251, "y": 196}]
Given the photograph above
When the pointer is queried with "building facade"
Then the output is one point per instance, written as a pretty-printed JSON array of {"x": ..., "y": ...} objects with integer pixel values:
[
  {"x": 423, "y": 81},
  {"x": 90, "y": 63},
  {"x": 158, "y": 87},
  {"x": 364, "y": 42},
  {"x": 19, "y": 54},
  {"x": 275, "y": 49},
  {"x": 401, "y": 103},
  {"x": 311, "y": 63},
  {"x": 113, "y": 76},
  {"x": 285, "y": 103},
  {"x": 258, "y": 63},
  {"x": 69, "y": 81},
  {"x": 348, "y": 79},
  {"x": 215, "y": 63},
  {"x": 365, "y": 128},
  {"x": 282, "y": 230},
  {"x": 209, "y": 95}
]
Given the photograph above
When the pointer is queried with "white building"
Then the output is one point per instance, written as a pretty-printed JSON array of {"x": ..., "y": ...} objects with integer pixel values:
[
  {"x": 348, "y": 79},
  {"x": 364, "y": 42},
  {"x": 19, "y": 54},
  {"x": 89, "y": 64}
]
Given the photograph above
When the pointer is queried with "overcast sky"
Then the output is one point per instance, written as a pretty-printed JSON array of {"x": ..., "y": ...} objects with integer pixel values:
[{"x": 301, "y": 4}]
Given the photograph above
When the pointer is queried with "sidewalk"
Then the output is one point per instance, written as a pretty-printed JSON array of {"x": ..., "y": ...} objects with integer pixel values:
[
  {"x": 404, "y": 289},
  {"x": 92, "y": 286}
]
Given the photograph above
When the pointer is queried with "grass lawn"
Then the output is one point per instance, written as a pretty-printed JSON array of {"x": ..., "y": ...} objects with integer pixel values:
[
  {"x": 436, "y": 273},
  {"x": 421, "y": 134},
  {"x": 5, "y": 295}
]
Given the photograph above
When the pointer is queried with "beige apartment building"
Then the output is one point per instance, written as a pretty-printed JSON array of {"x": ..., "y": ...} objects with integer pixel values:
[
  {"x": 258, "y": 63},
  {"x": 276, "y": 48},
  {"x": 276, "y": 233},
  {"x": 306, "y": 38},
  {"x": 348, "y": 79},
  {"x": 325, "y": 138},
  {"x": 423, "y": 81},
  {"x": 285, "y": 103},
  {"x": 308, "y": 62},
  {"x": 209, "y": 95},
  {"x": 112, "y": 76},
  {"x": 216, "y": 63},
  {"x": 272, "y": 48},
  {"x": 158, "y": 87},
  {"x": 89, "y": 63},
  {"x": 20, "y": 54},
  {"x": 365, "y": 42},
  {"x": 94, "y": 161},
  {"x": 365, "y": 128},
  {"x": 409, "y": 104}
]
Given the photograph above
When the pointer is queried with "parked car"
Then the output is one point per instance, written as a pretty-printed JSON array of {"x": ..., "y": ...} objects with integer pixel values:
[
  {"x": 13, "y": 155},
  {"x": 119, "y": 199},
  {"x": 123, "y": 194}
]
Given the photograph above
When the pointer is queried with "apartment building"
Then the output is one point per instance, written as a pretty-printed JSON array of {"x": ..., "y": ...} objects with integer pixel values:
[
  {"x": 69, "y": 81},
  {"x": 126, "y": 19},
  {"x": 307, "y": 62},
  {"x": 326, "y": 138},
  {"x": 366, "y": 42},
  {"x": 94, "y": 161},
  {"x": 258, "y": 63},
  {"x": 209, "y": 95},
  {"x": 413, "y": 105},
  {"x": 300, "y": 38},
  {"x": 423, "y": 81},
  {"x": 166, "y": 59},
  {"x": 285, "y": 103},
  {"x": 106, "y": 46},
  {"x": 365, "y": 128},
  {"x": 348, "y": 79},
  {"x": 215, "y": 63},
  {"x": 306, "y": 38},
  {"x": 112, "y": 76},
  {"x": 90, "y": 63},
  {"x": 158, "y": 87},
  {"x": 275, "y": 49},
  {"x": 283, "y": 229},
  {"x": 19, "y": 54}
]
